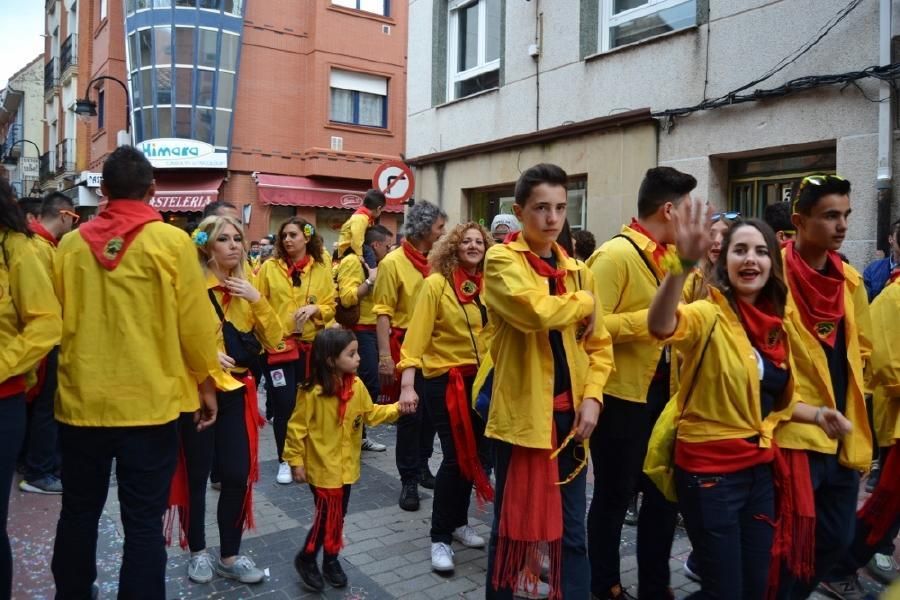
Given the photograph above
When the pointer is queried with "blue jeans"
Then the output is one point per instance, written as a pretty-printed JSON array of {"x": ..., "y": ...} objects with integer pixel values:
[
  {"x": 12, "y": 431},
  {"x": 576, "y": 576},
  {"x": 728, "y": 518}
]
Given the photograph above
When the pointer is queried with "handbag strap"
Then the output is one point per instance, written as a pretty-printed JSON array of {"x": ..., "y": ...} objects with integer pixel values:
[
  {"x": 641, "y": 254},
  {"x": 215, "y": 303},
  {"x": 690, "y": 391}
]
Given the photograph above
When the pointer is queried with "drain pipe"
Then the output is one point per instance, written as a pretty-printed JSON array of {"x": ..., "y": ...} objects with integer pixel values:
[{"x": 883, "y": 183}]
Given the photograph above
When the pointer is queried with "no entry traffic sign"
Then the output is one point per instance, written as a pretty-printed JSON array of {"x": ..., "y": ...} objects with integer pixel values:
[{"x": 395, "y": 180}]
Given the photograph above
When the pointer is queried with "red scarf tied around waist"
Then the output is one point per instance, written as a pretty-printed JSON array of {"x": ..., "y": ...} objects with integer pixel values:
[
  {"x": 765, "y": 330},
  {"x": 179, "y": 490},
  {"x": 110, "y": 234},
  {"x": 819, "y": 296},
  {"x": 542, "y": 268},
  {"x": 881, "y": 509},
  {"x": 392, "y": 392},
  {"x": 459, "y": 411},
  {"x": 362, "y": 210},
  {"x": 418, "y": 260},
  {"x": 466, "y": 286},
  {"x": 38, "y": 229},
  {"x": 659, "y": 251}
]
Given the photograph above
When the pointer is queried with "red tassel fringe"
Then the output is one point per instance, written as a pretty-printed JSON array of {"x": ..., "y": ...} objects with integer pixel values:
[
  {"x": 881, "y": 509},
  {"x": 330, "y": 512},
  {"x": 179, "y": 503}
]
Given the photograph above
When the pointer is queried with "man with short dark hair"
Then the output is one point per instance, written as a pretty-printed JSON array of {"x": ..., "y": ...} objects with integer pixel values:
[
  {"x": 778, "y": 217},
  {"x": 627, "y": 270},
  {"x": 139, "y": 337}
]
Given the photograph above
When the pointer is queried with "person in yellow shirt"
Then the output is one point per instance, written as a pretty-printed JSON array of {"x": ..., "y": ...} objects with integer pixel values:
[
  {"x": 552, "y": 356},
  {"x": 323, "y": 447},
  {"x": 445, "y": 341},
  {"x": 138, "y": 337},
  {"x": 30, "y": 326},
  {"x": 878, "y": 521},
  {"x": 351, "y": 239},
  {"x": 356, "y": 286},
  {"x": 627, "y": 272},
  {"x": 737, "y": 345},
  {"x": 399, "y": 276},
  {"x": 40, "y": 460},
  {"x": 247, "y": 323},
  {"x": 299, "y": 285},
  {"x": 830, "y": 297}
]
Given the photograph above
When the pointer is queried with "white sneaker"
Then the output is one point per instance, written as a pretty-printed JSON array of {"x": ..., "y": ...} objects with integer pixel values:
[
  {"x": 531, "y": 588},
  {"x": 466, "y": 536},
  {"x": 441, "y": 557},
  {"x": 373, "y": 446},
  {"x": 200, "y": 568},
  {"x": 284, "y": 474}
]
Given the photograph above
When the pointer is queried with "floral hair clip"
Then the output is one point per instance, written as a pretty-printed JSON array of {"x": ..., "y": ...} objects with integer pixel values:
[
  {"x": 200, "y": 238},
  {"x": 309, "y": 231}
]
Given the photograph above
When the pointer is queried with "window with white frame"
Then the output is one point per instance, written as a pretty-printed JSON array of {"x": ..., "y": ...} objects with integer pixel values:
[
  {"x": 628, "y": 21},
  {"x": 379, "y": 7},
  {"x": 473, "y": 47},
  {"x": 576, "y": 207},
  {"x": 358, "y": 98}
]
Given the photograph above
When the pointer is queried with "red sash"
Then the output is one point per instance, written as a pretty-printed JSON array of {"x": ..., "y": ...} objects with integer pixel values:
[
  {"x": 392, "y": 392},
  {"x": 881, "y": 509},
  {"x": 459, "y": 411},
  {"x": 12, "y": 386},
  {"x": 330, "y": 511},
  {"x": 253, "y": 423},
  {"x": 110, "y": 233}
]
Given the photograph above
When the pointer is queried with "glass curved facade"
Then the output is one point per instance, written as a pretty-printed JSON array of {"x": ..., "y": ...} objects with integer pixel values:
[{"x": 182, "y": 60}]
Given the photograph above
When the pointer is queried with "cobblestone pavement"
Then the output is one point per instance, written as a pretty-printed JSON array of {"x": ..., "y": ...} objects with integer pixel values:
[{"x": 386, "y": 552}]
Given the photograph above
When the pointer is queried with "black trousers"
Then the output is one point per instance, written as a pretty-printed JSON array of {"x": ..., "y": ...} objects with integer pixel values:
[
  {"x": 836, "y": 488},
  {"x": 145, "y": 462},
  {"x": 12, "y": 431},
  {"x": 318, "y": 527},
  {"x": 281, "y": 393},
  {"x": 226, "y": 445},
  {"x": 618, "y": 447},
  {"x": 452, "y": 493},
  {"x": 41, "y": 456},
  {"x": 415, "y": 438}
]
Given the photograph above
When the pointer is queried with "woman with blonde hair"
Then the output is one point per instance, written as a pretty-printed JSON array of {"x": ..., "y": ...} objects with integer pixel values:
[
  {"x": 445, "y": 340},
  {"x": 299, "y": 285},
  {"x": 247, "y": 322}
]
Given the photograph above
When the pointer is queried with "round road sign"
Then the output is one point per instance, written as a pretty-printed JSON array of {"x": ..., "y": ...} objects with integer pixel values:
[{"x": 395, "y": 180}]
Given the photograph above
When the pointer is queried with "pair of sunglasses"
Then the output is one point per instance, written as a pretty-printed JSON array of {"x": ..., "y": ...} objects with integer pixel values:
[
  {"x": 581, "y": 457},
  {"x": 728, "y": 216},
  {"x": 75, "y": 216}
]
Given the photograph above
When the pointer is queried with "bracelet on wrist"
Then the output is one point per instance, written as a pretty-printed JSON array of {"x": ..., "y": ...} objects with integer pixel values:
[{"x": 673, "y": 264}]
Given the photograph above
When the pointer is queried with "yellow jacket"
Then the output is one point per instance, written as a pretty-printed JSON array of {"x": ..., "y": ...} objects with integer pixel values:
[
  {"x": 694, "y": 286},
  {"x": 353, "y": 234},
  {"x": 44, "y": 251},
  {"x": 328, "y": 450},
  {"x": 725, "y": 401},
  {"x": 885, "y": 312},
  {"x": 316, "y": 287},
  {"x": 350, "y": 275},
  {"x": 443, "y": 333},
  {"x": 522, "y": 312},
  {"x": 258, "y": 317},
  {"x": 396, "y": 286},
  {"x": 136, "y": 340},
  {"x": 624, "y": 287},
  {"x": 813, "y": 382},
  {"x": 30, "y": 323}
]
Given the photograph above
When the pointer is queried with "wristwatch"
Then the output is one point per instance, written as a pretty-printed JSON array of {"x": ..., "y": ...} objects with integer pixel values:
[{"x": 369, "y": 282}]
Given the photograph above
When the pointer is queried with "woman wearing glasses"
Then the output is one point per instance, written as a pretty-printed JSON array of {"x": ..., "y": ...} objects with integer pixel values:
[
  {"x": 695, "y": 286},
  {"x": 736, "y": 387},
  {"x": 445, "y": 340},
  {"x": 299, "y": 286}
]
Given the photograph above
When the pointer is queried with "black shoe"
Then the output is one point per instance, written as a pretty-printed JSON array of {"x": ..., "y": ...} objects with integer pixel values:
[
  {"x": 334, "y": 573},
  {"x": 409, "y": 496},
  {"x": 309, "y": 572},
  {"x": 872, "y": 481},
  {"x": 426, "y": 479}
]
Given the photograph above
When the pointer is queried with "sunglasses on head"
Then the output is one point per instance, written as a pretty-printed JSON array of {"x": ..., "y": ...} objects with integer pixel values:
[
  {"x": 812, "y": 180},
  {"x": 75, "y": 216},
  {"x": 728, "y": 216}
]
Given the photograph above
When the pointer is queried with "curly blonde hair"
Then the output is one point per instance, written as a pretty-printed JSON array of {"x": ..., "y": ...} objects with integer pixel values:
[
  {"x": 444, "y": 256},
  {"x": 213, "y": 226}
]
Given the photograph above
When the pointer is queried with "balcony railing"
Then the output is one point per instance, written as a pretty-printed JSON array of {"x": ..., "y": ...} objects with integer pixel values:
[
  {"x": 65, "y": 156},
  {"x": 47, "y": 166},
  {"x": 68, "y": 53},
  {"x": 51, "y": 75}
]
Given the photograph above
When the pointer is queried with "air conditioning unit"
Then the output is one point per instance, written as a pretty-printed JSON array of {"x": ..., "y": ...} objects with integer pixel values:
[
  {"x": 337, "y": 143},
  {"x": 386, "y": 29}
]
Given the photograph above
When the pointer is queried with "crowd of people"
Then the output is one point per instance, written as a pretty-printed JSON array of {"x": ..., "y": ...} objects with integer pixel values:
[{"x": 712, "y": 366}]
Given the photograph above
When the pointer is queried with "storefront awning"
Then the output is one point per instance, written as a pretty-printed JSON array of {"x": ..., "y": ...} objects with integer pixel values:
[
  {"x": 286, "y": 190},
  {"x": 185, "y": 192}
]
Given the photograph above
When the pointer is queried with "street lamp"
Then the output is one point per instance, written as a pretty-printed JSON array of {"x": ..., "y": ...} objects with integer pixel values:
[
  {"x": 85, "y": 107},
  {"x": 6, "y": 155}
]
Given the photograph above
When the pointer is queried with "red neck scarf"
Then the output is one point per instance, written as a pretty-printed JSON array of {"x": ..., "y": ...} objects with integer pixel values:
[
  {"x": 418, "y": 260},
  {"x": 345, "y": 393},
  {"x": 466, "y": 286},
  {"x": 362, "y": 210},
  {"x": 226, "y": 296},
  {"x": 819, "y": 297},
  {"x": 764, "y": 328},
  {"x": 541, "y": 267},
  {"x": 298, "y": 266},
  {"x": 38, "y": 229},
  {"x": 660, "y": 251},
  {"x": 895, "y": 275},
  {"x": 111, "y": 232}
]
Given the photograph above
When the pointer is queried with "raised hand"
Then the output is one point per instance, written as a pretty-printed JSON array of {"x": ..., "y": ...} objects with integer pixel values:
[{"x": 692, "y": 220}]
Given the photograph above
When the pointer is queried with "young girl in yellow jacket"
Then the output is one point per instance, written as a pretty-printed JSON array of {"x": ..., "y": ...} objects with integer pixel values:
[
  {"x": 444, "y": 340},
  {"x": 30, "y": 325},
  {"x": 736, "y": 388},
  {"x": 323, "y": 446},
  {"x": 299, "y": 285},
  {"x": 247, "y": 322}
]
